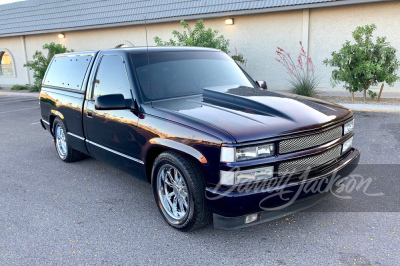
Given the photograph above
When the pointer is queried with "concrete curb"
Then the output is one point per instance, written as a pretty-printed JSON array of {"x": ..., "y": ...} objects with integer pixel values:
[
  {"x": 385, "y": 94},
  {"x": 371, "y": 107},
  {"x": 24, "y": 94},
  {"x": 342, "y": 93}
]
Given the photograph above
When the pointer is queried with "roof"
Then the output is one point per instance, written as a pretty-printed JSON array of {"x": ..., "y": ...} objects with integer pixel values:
[
  {"x": 159, "y": 49},
  {"x": 143, "y": 49},
  {"x": 41, "y": 16}
]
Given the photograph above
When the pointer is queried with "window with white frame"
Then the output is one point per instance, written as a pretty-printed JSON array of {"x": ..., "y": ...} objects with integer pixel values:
[{"x": 6, "y": 64}]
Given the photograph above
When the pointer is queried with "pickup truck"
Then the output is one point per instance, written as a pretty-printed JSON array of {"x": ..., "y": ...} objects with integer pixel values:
[{"x": 215, "y": 145}]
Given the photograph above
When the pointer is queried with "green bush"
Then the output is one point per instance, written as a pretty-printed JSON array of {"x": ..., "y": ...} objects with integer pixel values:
[
  {"x": 199, "y": 36},
  {"x": 20, "y": 87},
  {"x": 34, "y": 88},
  {"x": 304, "y": 86},
  {"x": 364, "y": 63},
  {"x": 40, "y": 62},
  {"x": 372, "y": 94},
  {"x": 25, "y": 87}
]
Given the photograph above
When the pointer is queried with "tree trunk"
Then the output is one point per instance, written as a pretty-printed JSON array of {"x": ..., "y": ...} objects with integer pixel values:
[
  {"x": 380, "y": 93},
  {"x": 365, "y": 95},
  {"x": 352, "y": 96}
]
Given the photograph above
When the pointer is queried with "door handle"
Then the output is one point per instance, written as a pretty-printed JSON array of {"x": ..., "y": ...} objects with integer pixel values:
[{"x": 89, "y": 113}]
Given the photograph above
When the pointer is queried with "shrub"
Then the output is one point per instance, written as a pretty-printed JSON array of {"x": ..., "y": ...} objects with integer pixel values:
[
  {"x": 25, "y": 87},
  {"x": 20, "y": 87},
  {"x": 364, "y": 63},
  {"x": 238, "y": 57},
  {"x": 199, "y": 36},
  {"x": 301, "y": 76},
  {"x": 34, "y": 88},
  {"x": 40, "y": 61},
  {"x": 372, "y": 94}
]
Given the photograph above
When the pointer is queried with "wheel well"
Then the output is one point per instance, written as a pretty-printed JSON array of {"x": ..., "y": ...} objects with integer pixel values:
[
  {"x": 52, "y": 117},
  {"x": 154, "y": 152},
  {"x": 151, "y": 156}
]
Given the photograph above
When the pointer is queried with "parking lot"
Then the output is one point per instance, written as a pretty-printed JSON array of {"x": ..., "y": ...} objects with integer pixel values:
[{"x": 88, "y": 213}]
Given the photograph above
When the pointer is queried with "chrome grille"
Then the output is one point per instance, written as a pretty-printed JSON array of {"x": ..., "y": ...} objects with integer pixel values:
[
  {"x": 306, "y": 142},
  {"x": 302, "y": 164}
]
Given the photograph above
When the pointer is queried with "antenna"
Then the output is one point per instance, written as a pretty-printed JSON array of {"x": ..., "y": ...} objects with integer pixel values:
[{"x": 148, "y": 62}]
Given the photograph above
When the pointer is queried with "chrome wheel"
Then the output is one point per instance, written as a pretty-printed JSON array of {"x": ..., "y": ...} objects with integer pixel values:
[
  {"x": 173, "y": 193},
  {"x": 61, "y": 142}
]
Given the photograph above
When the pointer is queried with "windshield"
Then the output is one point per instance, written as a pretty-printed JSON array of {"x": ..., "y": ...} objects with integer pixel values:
[{"x": 184, "y": 73}]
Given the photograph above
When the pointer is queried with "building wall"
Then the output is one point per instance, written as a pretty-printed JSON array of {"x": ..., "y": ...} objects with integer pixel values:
[
  {"x": 331, "y": 27},
  {"x": 256, "y": 36},
  {"x": 14, "y": 46}
]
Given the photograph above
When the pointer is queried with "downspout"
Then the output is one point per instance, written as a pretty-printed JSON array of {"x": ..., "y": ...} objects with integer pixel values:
[
  {"x": 306, "y": 31},
  {"x": 25, "y": 58}
]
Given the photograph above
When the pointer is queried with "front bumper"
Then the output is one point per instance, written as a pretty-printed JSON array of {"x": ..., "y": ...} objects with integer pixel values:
[{"x": 230, "y": 208}]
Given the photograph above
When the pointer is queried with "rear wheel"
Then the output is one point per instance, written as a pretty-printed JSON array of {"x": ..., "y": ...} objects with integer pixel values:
[
  {"x": 179, "y": 190},
  {"x": 64, "y": 150}
]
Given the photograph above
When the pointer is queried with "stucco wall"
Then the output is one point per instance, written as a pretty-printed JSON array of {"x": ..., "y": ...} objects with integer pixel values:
[
  {"x": 256, "y": 36},
  {"x": 331, "y": 27},
  {"x": 14, "y": 45}
]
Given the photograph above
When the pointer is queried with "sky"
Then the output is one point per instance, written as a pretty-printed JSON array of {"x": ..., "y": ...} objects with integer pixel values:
[{"x": 2, "y": 2}]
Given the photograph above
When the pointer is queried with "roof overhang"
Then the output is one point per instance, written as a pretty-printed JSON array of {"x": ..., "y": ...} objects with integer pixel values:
[{"x": 201, "y": 16}]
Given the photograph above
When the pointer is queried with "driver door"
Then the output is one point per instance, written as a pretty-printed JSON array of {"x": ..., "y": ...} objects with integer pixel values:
[{"x": 111, "y": 133}]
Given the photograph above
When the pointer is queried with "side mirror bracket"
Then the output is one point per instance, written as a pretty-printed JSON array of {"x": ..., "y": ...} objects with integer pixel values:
[{"x": 262, "y": 84}]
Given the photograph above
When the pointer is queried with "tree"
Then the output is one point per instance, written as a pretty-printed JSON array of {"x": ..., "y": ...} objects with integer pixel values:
[
  {"x": 40, "y": 62},
  {"x": 199, "y": 36},
  {"x": 364, "y": 63}
]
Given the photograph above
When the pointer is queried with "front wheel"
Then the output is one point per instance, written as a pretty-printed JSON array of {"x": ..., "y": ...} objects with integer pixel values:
[{"x": 179, "y": 190}]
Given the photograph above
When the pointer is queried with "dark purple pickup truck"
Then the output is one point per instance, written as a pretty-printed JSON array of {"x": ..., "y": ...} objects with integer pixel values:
[{"x": 214, "y": 144}]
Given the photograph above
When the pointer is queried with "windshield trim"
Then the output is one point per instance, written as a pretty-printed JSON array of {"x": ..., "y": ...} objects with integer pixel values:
[
  {"x": 174, "y": 98},
  {"x": 139, "y": 85}
]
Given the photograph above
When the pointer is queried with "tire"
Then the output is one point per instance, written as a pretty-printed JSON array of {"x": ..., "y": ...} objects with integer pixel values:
[
  {"x": 64, "y": 150},
  {"x": 186, "y": 184}
]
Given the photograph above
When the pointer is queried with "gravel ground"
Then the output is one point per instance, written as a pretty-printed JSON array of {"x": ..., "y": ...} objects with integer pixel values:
[
  {"x": 335, "y": 99},
  {"x": 2, "y": 90},
  {"x": 382, "y": 101},
  {"x": 88, "y": 213}
]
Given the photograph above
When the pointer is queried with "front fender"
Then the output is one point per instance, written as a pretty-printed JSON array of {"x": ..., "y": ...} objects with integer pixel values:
[{"x": 171, "y": 144}]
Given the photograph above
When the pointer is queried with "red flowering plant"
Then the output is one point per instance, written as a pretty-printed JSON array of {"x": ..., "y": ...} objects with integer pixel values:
[
  {"x": 239, "y": 57},
  {"x": 301, "y": 74}
]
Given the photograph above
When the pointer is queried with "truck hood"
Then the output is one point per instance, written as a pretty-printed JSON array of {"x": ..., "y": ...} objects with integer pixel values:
[{"x": 251, "y": 118}]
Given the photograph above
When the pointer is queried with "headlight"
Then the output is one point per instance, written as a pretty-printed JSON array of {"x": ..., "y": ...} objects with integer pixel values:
[
  {"x": 247, "y": 153},
  {"x": 347, "y": 144},
  {"x": 231, "y": 154},
  {"x": 348, "y": 127},
  {"x": 237, "y": 177}
]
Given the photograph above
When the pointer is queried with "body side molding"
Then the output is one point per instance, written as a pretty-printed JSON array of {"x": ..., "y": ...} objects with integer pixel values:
[{"x": 115, "y": 152}]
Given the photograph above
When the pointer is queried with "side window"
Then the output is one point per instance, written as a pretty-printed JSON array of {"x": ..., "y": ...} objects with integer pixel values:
[
  {"x": 111, "y": 78},
  {"x": 68, "y": 71}
]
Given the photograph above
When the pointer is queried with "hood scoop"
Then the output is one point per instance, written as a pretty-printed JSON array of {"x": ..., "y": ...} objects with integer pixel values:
[{"x": 242, "y": 104}]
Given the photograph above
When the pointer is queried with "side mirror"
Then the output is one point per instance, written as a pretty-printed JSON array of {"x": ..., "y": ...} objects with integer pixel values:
[
  {"x": 262, "y": 84},
  {"x": 110, "y": 102}
]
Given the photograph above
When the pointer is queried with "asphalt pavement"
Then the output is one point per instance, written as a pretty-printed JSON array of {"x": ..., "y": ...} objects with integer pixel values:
[{"x": 89, "y": 213}]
